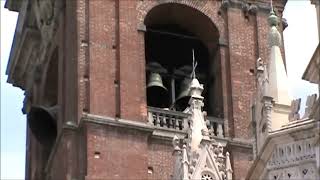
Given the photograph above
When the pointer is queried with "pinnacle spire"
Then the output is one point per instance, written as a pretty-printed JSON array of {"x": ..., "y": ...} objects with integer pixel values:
[
  {"x": 274, "y": 35},
  {"x": 278, "y": 80}
]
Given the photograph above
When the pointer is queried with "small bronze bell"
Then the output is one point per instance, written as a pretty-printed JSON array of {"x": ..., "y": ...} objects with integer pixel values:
[
  {"x": 157, "y": 93},
  {"x": 182, "y": 100},
  {"x": 43, "y": 123}
]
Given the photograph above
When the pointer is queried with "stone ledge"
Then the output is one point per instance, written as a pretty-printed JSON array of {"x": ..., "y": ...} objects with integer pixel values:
[
  {"x": 238, "y": 142},
  {"x": 91, "y": 118},
  {"x": 157, "y": 132}
]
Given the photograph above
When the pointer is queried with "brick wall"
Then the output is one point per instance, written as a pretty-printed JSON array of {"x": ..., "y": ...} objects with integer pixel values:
[
  {"x": 132, "y": 64},
  {"x": 102, "y": 57},
  {"x": 119, "y": 61},
  {"x": 242, "y": 59},
  {"x": 122, "y": 153},
  {"x": 241, "y": 162},
  {"x": 103, "y": 73},
  {"x": 160, "y": 158}
]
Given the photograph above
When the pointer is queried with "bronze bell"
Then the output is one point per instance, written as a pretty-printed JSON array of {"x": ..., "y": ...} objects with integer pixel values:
[
  {"x": 157, "y": 93},
  {"x": 182, "y": 100},
  {"x": 42, "y": 122}
]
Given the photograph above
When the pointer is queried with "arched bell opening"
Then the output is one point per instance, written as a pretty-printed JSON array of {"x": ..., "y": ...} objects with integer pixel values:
[
  {"x": 174, "y": 32},
  {"x": 42, "y": 122}
]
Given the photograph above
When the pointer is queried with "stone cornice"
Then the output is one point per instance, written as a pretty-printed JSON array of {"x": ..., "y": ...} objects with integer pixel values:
[
  {"x": 241, "y": 143},
  {"x": 155, "y": 132},
  {"x": 262, "y": 6},
  {"x": 29, "y": 38},
  {"x": 104, "y": 120}
]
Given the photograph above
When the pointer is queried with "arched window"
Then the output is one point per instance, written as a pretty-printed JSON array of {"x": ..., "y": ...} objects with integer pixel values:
[{"x": 174, "y": 32}]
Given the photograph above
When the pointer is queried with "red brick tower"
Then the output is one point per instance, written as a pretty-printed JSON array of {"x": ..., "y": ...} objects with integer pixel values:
[{"x": 86, "y": 65}]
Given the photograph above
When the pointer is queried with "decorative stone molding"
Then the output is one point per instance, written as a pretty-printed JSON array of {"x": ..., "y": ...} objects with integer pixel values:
[
  {"x": 307, "y": 171},
  {"x": 295, "y": 160},
  {"x": 262, "y": 78},
  {"x": 167, "y": 119},
  {"x": 245, "y": 8},
  {"x": 260, "y": 65},
  {"x": 248, "y": 9},
  {"x": 176, "y": 143},
  {"x": 251, "y": 8},
  {"x": 300, "y": 133},
  {"x": 267, "y": 112},
  {"x": 292, "y": 154}
]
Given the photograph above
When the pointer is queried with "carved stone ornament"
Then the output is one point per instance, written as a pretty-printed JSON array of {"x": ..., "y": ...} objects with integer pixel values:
[
  {"x": 310, "y": 103},
  {"x": 46, "y": 8},
  {"x": 176, "y": 143},
  {"x": 263, "y": 77},
  {"x": 295, "y": 160},
  {"x": 245, "y": 7},
  {"x": 266, "y": 112},
  {"x": 260, "y": 65},
  {"x": 201, "y": 157},
  {"x": 295, "y": 107},
  {"x": 225, "y": 4},
  {"x": 253, "y": 9}
]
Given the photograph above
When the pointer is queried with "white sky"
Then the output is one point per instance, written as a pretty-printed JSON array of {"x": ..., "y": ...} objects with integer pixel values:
[
  {"x": 300, "y": 42},
  {"x": 13, "y": 123},
  {"x": 301, "y": 39}
]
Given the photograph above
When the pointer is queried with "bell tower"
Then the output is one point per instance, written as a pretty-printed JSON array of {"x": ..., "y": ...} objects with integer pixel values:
[{"x": 107, "y": 83}]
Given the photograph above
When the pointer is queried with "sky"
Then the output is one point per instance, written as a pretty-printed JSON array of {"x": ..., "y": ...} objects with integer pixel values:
[
  {"x": 13, "y": 122},
  {"x": 300, "y": 38}
]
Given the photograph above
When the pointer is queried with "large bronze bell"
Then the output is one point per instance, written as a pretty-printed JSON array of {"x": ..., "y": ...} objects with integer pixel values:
[
  {"x": 157, "y": 93},
  {"x": 42, "y": 122},
  {"x": 182, "y": 100}
]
